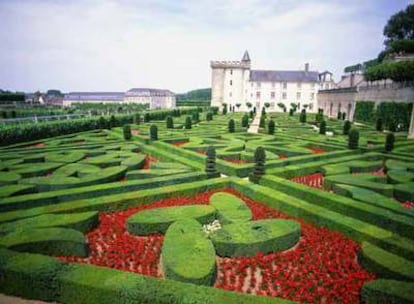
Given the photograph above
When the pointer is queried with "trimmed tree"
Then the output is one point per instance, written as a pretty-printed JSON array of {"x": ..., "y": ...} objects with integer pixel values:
[
  {"x": 271, "y": 127},
  {"x": 211, "y": 170},
  {"x": 251, "y": 114},
  {"x": 302, "y": 116},
  {"x": 137, "y": 118},
  {"x": 291, "y": 112},
  {"x": 259, "y": 166},
  {"x": 245, "y": 121},
  {"x": 262, "y": 122},
  {"x": 147, "y": 117},
  {"x": 127, "y": 132},
  {"x": 188, "y": 122},
  {"x": 170, "y": 122},
  {"x": 209, "y": 116},
  {"x": 102, "y": 123},
  {"x": 322, "y": 127},
  {"x": 339, "y": 115},
  {"x": 389, "y": 142},
  {"x": 153, "y": 132},
  {"x": 343, "y": 115},
  {"x": 378, "y": 125},
  {"x": 113, "y": 121},
  {"x": 231, "y": 126},
  {"x": 195, "y": 116},
  {"x": 347, "y": 127},
  {"x": 353, "y": 139}
]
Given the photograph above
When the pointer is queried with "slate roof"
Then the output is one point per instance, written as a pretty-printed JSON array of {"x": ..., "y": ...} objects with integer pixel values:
[
  {"x": 284, "y": 76},
  {"x": 95, "y": 96},
  {"x": 246, "y": 57},
  {"x": 148, "y": 92}
]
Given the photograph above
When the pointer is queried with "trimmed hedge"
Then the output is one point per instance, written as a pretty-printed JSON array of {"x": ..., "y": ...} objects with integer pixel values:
[
  {"x": 158, "y": 220},
  {"x": 82, "y": 222},
  {"x": 388, "y": 292},
  {"x": 52, "y": 241},
  {"x": 385, "y": 264},
  {"x": 249, "y": 238},
  {"x": 187, "y": 254},
  {"x": 230, "y": 208}
]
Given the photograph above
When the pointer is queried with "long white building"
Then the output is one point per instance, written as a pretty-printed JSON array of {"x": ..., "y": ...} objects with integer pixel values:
[
  {"x": 156, "y": 98},
  {"x": 235, "y": 83}
]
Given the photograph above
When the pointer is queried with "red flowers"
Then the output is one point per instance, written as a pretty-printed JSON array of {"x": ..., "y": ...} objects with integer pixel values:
[
  {"x": 408, "y": 205},
  {"x": 314, "y": 180},
  {"x": 148, "y": 161},
  {"x": 179, "y": 143},
  {"x": 317, "y": 151},
  {"x": 236, "y": 161},
  {"x": 321, "y": 268}
]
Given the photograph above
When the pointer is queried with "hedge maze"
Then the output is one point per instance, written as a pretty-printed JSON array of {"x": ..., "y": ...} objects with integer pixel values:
[{"x": 100, "y": 217}]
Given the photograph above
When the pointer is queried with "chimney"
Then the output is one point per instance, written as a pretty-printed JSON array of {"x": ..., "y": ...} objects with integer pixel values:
[{"x": 307, "y": 67}]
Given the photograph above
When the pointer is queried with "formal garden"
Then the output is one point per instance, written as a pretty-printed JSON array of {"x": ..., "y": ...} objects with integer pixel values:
[{"x": 186, "y": 206}]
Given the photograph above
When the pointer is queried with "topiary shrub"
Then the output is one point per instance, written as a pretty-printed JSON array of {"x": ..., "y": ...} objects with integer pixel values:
[
  {"x": 170, "y": 122},
  {"x": 322, "y": 127},
  {"x": 245, "y": 121},
  {"x": 251, "y": 114},
  {"x": 211, "y": 170},
  {"x": 127, "y": 132},
  {"x": 263, "y": 111},
  {"x": 188, "y": 122},
  {"x": 271, "y": 127},
  {"x": 378, "y": 125},
  {"x": 259, "y": 166},
  {"x": 353, "y": 139},
  {"x": 343, "y": 115},
  {"x": 319, "y": 116},
  {"x": 209, "y": 116},
  {"x": 231, "y": 126},
  {"x": 262, "y": 122},
  {"x": 224, "y": 110},
  {"x": 102, "y": 123},
  {"x": 291, "y": 112},
  {"x": 113, "y": 122},
  {"x": 195, "y": 116},
  {"x": 347, "y": 127},
  {"x": 389, "y": 142},
  {"x": 302, "y": 116},
  {"x": 153, "y": 132},
  {"x": 339, "y": 115},
  {"x": 137, "y": 119},
  {"x": 147, "y": 117}
]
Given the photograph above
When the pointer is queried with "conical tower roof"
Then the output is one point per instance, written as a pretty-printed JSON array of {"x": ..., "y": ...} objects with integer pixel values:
[{"x": 246, "y": 57}]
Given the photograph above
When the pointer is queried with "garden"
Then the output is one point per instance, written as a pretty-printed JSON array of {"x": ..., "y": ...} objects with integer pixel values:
[{"x": 186, "y": 206}]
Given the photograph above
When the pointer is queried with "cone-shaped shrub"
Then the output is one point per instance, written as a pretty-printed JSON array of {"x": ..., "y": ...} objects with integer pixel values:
[
  {"x": 245, "y": 121},
  {"x": 259, "y": 166},
  {"x": 319, "y": 116},
  {"x": 113, "y": 122},
  {"x": 137, "y": 118},
  {"x": 353, "y": 139},
  {"x": 322, "y": 128},
  {"x": 262, "y": 122},
  {"x": 195, "y": 116},
  {"x": 378, "y": 125},
  {"x": 347, "y": 127},
  {"x": 302, "y": 116},
  {"x": 231, "y": 125},
  {"x": 339, "y": 115},
  {"x": 147, "y": 117},
  {"x": 251, "y": 114},
  {"x": 263, "y": 111},
  {"x": 211, "y": 170},
  {"x": 271, "y": 127},
  {"x": 153, "y": 132},
  {"x": 127, "y": 132},
  {"x": 224, "y": 110},
  {"x": 103, "y": 124},
  {"x": 188, "y": 122},
  {"x": 170, "y": 122},
  {"x": 389, "y": 142},
  {"x": 343, "y": 115},
  {"x": 291, "y": 112},
  {"x": 209, "y": 116}
]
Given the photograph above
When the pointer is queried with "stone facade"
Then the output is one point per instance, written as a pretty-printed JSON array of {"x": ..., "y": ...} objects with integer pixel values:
[{"x": 234, "y": 82}]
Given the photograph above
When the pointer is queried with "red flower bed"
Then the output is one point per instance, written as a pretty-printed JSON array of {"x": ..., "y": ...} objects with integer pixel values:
[
  {"x": 236, "y": 161},
  {"x": 202, "y": 152},
  {"x": 38, "y": 145},
  {"x": 134, "y": 131},
  {"x": 179, "y": 143},
  {"x": 317, "y": 151},
  {"x": 148, "y": 161},
  {"x": 282, "y": 156},
  {"x": 408, "y": 205},
  {"x": 314, "y": 180},
  {"x": 321, "y": 268}
]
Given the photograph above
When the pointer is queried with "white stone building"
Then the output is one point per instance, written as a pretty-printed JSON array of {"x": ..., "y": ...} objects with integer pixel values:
[
  {"x": 234, "y": 82},
  {"x": 156, "y": 98}
]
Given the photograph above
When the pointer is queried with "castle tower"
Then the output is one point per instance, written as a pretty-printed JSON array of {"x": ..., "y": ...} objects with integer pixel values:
[{"x": 229, "y": 81}]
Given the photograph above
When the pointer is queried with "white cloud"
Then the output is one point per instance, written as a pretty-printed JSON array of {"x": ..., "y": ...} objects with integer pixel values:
[{"x": 115, "y": 45}]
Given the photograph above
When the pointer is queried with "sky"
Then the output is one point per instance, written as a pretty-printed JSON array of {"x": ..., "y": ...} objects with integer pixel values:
[{"x": 103, "y": 45}]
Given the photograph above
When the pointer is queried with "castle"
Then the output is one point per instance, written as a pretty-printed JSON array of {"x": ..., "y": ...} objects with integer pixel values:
[{"x": 234, "y": 83}]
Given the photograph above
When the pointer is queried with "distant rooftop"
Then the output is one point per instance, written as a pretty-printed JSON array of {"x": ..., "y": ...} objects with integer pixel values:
[
  {"x": 95, "y": 96},
  {"x": 284, "y": 76}
]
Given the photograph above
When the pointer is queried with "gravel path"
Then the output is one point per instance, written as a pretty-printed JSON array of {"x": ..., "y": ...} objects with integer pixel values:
[{"x": 4, "y": 299}]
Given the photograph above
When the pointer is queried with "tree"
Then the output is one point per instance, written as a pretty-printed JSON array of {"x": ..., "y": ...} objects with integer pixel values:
[
  {"x": 353, "y": 139},
  {"x": 271, "y": 127},
  {"x": 245, "y": 121},
  {"x": 267, "y": 105},
  {"x": 319, "y": 116},
  {"x": 170, "y": 122},
  {"x": 113, "y": 121},
  {"x": 195, "y": 116},
  {"x": 231, "y": 126},
  {"x": 188, "y": 122},
  {"x": 263, "y": 111},
  {"x": 259, "y": 166},
  {"x": 147, "y": 117},
  {"x": 400, "y": 25},
  {"x": 282, "y": 106},
  {"x": 302, "y": 117},
  {"x": 238, "y": 106},
  {"x": 389, "y": 142},
  {"x": 249, "y": 105},
  {"x": 137, "y": 118},
  {"x": 209, "y": 116},
  {"x": 293, "y": 106},
  {"x": 347, "y": 127},
  {"x": 343, "y": 115},
  {"x": 102, "y": 123},
  {"x": 322, "y": 127},
  {"x": 262, "y": 122},
  {"x": 291, "y": 112},
  {"x": 378, "y": 125},
  {"x": 251, "y": 114},
  {"x": 127, "y": 132},
  {"x": 339, "y": 115},
  {"x": 211, "y": 170},
  {"x": 153, "y": 132}
]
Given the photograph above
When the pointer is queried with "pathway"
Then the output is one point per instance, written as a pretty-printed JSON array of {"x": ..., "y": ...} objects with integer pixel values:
[{"x": 254, "y": 127}]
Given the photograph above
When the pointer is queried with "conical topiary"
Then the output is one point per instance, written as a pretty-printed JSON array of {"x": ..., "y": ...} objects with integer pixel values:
[
  {"x": 231, "y": 126},
  {"x": 271, "y": 127},
  {"x": 259, "y": 166},
  {"x": 347, "y": 127},
  {"x": 353, "y": 139},
  {"x": 322, "y": 127},
  {"x": 170, "y": 122},
  {"x": 127, "y": 132},
  {"x": 188, "y": 122},
  {"x": 211, "y": 170},
  {"x": 153, "y": 132},
  {"x": 389, "y": 142}
]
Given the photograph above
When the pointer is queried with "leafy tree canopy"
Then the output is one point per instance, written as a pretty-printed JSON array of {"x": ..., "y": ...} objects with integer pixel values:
[{"x": 400, "y": 25}]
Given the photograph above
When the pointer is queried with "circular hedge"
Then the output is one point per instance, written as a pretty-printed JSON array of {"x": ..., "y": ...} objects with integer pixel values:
[{"x": 230, "y": 208}]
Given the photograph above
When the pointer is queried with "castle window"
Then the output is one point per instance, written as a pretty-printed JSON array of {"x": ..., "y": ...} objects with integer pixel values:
[
  {"x": 285, "y": 85},
  {"x": 257, "y": 95},
  {"x": 272, "y": 95},
  {"x": 231, "y": 82},
  {"x": 231, "y": 72},
  {"x": 284, "y": 95},
  {"x": 298, "y": 95}
]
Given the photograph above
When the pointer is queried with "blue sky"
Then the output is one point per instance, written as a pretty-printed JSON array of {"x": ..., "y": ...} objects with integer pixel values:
[{"x": 99, "y": 45}]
